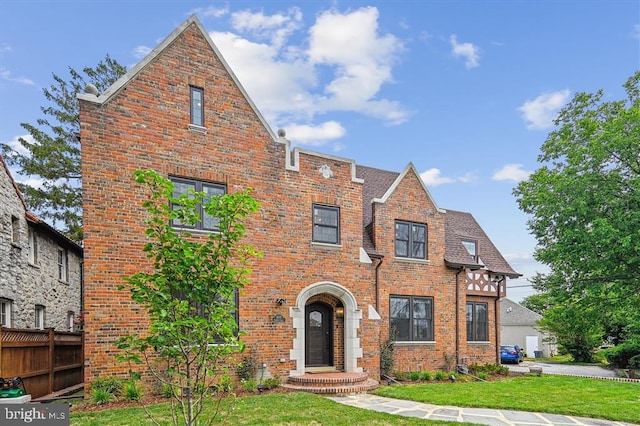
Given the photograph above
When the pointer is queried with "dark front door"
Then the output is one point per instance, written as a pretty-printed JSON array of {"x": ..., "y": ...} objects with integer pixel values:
[{"x": 319, "y": 335}]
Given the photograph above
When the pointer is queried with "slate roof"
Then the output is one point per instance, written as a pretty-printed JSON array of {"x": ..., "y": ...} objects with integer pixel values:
[
  {"x": 512, "y": 313},
  {"x": 458, "y": 226}
]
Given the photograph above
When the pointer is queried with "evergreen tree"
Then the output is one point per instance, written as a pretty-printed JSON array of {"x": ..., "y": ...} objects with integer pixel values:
[{"x": 53, "y": 154}]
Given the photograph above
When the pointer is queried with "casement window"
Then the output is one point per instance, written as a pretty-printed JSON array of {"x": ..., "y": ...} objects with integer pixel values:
[
  {"x": 70, "y": 320},
  {"x": 39, "y": 320},
  {"x": 477, "y": 322},
  {"x": 15, "y": 229},
  {"x": 326, "y": 224},
  {"x": 472, "y": 248},
  {"x": 33, "y": 247},
  {"x": 5, "y": 312},
  {"x": 411, "y": 240},
  {"x": 411, "y": 318},
  {"x": 185, "y": 186},
  {"x": 197, "y": 106},
  {"x": 63, "y": 265},
  {"x": 198, "y": 309}
]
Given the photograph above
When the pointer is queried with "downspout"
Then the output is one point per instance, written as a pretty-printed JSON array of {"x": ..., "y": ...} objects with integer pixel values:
[
  {"x": 377, "y": 283},
  {"x": 497, "y": 318}
]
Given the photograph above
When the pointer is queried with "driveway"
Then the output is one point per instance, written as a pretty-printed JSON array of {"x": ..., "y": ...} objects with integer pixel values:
[{"x": 567, "y": 370}]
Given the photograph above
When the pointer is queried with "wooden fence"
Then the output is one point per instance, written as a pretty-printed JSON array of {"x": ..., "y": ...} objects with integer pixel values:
[{"x": 47, "y": 360}]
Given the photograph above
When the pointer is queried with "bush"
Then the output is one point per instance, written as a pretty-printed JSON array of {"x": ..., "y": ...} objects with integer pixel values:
[
  {"x": 247, "y": 368},
  {"x": 401, "y": 376},
  {"x": 620, "y": 356},
  {"x": 426, "y": 376},
  {"x": 109, "y": 384},
  {"x": 482, "y": 375},
  {"x": 249, "y": 385},
  {"x": 440, "y": 376},
  {"x": 387, "y": 359},
  {"x": 414, "y": 376},
  {"x": 634, "y": 362},
  {"x": 101, "y": 396},
  {"x": 271, "y": 382},
  {"x": 132, "y": 392},
  {"x": 224, "y": 385}
]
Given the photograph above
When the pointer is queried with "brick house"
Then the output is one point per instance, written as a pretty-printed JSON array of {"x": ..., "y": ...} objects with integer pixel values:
[
  {"x": 348, "y": 250},
  {"x": 40, "y": 268}
]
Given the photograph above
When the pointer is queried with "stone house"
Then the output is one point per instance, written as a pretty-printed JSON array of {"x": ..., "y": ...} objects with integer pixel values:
[
  {"x": 40, "y": 268},
  {"x": 350, "y": 252}
]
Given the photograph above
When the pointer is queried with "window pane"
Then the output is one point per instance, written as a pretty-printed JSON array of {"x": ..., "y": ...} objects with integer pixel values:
[
  {"x": 418, "y": 250},
  {"x": 181, "y": 188},
  {"x": 208, "y": 221},
  {"x": 419, "y": 233},
  {"x": 402, "y": 231},
  {"x": 196, "y": 106},
  {"x": 327, "y": 217},
  {"x": 325, "y": 235},
  {"x": 481, "y": 322},
  {"x": 400, "y": 317},
  {"x": 470, "y": 322},
  {"x": 471, "y": 247}
]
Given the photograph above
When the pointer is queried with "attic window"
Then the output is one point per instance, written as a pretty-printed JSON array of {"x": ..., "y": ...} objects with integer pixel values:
[
  {"x": 197, "y": 106},
  {"x": 472, "y": 248}
]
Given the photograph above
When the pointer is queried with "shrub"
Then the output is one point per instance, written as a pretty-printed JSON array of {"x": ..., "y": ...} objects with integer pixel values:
[
  {"x": 167, "y": 390},
  {"x": 401, "y": 376},
  {"x": 224, "y": 385},
  {"x": 249, "y": 385},
  {"x": 634, "y": 362},
  {"x": 620, "y": 356},
  {"x": 440, "y": 375},
  {"x": 271, "y": 382},
  {"x": 482, "y": 375},
  {"x": 101, "y": 396},
  {"x": 109, "y": 384},
  {"x": 426, "y": 376},
  {"x": 387, "y": 359},
  {"x": 247, "y": 368},
  {"x": 414, "y": 376},
  {"x": 132, "y": 392}
]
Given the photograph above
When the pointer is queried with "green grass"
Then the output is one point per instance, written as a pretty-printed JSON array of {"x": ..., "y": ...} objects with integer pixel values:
[
  {"x": 271, "y": 409},
  {"x": 574, "y": 396}
]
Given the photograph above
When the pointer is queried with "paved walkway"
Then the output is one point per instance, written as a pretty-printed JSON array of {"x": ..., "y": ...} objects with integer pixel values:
[{"x": 485, "y": 416}]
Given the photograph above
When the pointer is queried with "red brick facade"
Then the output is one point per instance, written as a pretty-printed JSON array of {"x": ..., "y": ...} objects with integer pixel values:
[{"x": 142, "y": 122}]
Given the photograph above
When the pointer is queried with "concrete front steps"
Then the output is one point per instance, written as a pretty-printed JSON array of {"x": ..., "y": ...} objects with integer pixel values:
[{"x": 332, "y": 383}]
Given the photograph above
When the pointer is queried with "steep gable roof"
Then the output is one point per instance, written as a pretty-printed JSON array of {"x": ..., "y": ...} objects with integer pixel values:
[
  {"x": 133, "y": 72},
  {"x": 35, "y": 220},
  {"x": 512, "y": 313},
  {"x": 460, "y": 226},
  {"x": 379, "y": 184}
]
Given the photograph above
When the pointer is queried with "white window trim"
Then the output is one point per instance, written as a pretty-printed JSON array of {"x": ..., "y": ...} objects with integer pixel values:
[
  {"x": 5, "y": 310},
  {"x": 39, "y": 317}
]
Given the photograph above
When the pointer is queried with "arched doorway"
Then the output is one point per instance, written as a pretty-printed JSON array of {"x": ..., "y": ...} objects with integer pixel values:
[{"x": 319, "y": 335}]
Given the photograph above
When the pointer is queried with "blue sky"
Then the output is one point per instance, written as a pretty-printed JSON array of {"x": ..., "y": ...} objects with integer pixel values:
[{"x": 465, "y": 90}]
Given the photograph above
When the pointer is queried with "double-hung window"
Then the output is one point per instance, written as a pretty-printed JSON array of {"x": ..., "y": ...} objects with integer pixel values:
[
  {"x": 5, "y": 312},
  {"x": 197, "y": 106},
  {"x": 411, "y": 318},
  {"x": 39, "y": 320},
  {"x": 62, "y": 264},
  {"x": 326, "y": 224},
  {"x": 33, "y": 247},
  {"x": 185, "y": 186},
  {"x": 411, "y": 240},
  {"x": 477, "y": 323}
]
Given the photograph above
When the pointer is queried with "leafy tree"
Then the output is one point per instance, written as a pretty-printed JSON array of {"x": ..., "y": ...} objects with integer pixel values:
[
  {"x": 53, "y": 157},
  {"x": 190, "y": 295},
  {"x": 584, "y": 207}
]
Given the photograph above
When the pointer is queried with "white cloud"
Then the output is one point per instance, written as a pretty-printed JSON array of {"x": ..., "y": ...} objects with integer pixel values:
[
  {"x": 511, "y": 172},
  {"x": 636, "y": 31},
  {"x": 276, "y": 28},
  {"x": 141, "y": 51},
  {"x": 308, "y": 134},
  {"x": 5, "y": 74},
  {"x": 432, "y": 177},
  {"x": 5, "y": 48},
  {"x": 15, "y": 144},
  {"x": 361, "y": 60},
  {"x": 210, "y": 12},
  {"x": 341, "y": 68},
  {"x": 466, "y": 50},
  {"x": 540, "y": 112}
]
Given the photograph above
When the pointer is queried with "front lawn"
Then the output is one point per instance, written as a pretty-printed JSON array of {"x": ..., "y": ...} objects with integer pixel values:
[{"x": 605, "y": 399}]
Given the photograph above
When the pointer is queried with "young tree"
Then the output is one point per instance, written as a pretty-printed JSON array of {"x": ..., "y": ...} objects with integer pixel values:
[
  {"x": 53, "y": 157},
  {"x": 584, "y": 207},
  {"x": 190, "y": 295}
]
